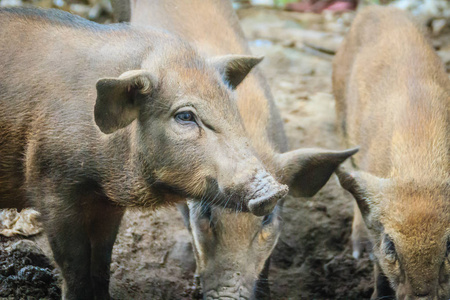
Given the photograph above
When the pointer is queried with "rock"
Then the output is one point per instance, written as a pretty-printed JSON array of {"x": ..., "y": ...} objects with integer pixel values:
[
  {"x": 24, "y": 223},
  {"x": 80, "y": 9},
  {"x": 437, "y": 26},
  {"x": 182, "y": 253},
  {"x": 95, "y": 12},
  {"x": 4, "y": 3},
  {"x": 25, "y": 247},
  {"x": 26, "y": 273},
  {"x": 430, "y": 8}
]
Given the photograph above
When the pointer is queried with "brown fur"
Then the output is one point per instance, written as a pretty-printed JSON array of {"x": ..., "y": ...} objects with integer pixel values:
[
  {"x": 93, "y": 121},
  {"x": 53, "y": 156},
  {"x": 214, "y": 29},
  {"x": 231, "y": 262},
  {"x": 393, "y": 99}
]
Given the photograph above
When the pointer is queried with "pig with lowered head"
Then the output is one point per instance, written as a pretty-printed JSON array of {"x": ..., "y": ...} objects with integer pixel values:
[
  {"x": 393, "y": 99},
  {"x": 232, "y": 249}
]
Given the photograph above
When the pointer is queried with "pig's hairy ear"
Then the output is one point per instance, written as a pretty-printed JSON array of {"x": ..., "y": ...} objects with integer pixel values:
[
  {"x": 116, "y": 105},
  {"x": 306, "y": 171},
  {"x": 366, "y": 189},
  {"x": 234, "y": 68}
]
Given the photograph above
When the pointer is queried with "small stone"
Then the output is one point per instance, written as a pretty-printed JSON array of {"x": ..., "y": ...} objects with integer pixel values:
[
  {"x": 25, "y": 246},
  {"x": 438, "y": 25},
  {"x": 4, "y": 3}
]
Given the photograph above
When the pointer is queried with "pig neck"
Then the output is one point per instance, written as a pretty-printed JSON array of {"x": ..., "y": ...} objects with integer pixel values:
[{"x": 212, "y": 26}]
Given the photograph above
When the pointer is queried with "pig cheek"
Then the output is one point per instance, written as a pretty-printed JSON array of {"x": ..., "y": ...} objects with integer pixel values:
[
  {"x": 204, "y": 243},
  {"x": 265, "y": 237},
  {"x": 265, "y": 242},
  {"x": 392, "y": 270},
  {"x": 180, "y": 132}
]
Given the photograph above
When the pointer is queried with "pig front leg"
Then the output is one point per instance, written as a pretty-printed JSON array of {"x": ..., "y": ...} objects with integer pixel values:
[
  {"x": 66, "y": 231},
  {"x": 104, "y": 220},
  {"x": 360, "y": 235}
]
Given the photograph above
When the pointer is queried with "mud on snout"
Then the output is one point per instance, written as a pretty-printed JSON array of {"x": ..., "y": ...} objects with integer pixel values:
[{"x": 257, "y": 193}]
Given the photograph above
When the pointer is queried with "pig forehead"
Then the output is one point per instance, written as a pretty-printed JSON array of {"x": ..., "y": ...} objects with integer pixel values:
[
  {"x": 233, "y": 227},
  {"x": 422, "y": 237},
  {"x": 200, "y": 83},
  {"x": 417, "y": 223},
  {"x": 423, "y": 257},
  {"x": 413, "y": 205}
]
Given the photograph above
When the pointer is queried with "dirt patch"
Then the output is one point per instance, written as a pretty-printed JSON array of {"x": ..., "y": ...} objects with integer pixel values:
[{"x": 25, "y": 272}]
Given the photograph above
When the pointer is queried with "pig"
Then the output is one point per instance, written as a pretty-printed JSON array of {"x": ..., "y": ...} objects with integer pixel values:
[
  {"x": 393, "y": 99},
  {"x": 96, "y": 118},
  {"x": 232, "y": 249}
]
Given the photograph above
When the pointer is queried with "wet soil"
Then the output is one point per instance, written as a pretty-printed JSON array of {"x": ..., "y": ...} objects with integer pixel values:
[
  {"x": 26, "y": 272},
  {"x": 152, "y": 258}
]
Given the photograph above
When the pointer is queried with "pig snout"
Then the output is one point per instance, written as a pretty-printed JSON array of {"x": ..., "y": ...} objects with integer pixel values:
[
  {"x": 228, "y": 285},
  {"x": 266, "y": 193}
]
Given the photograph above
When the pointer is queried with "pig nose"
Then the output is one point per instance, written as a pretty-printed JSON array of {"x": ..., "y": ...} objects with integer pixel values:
[{"x": 264, "y": 203}]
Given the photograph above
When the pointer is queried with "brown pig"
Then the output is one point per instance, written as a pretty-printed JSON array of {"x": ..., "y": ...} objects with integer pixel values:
[
  {"x": 231, "y": 249},
  {"x": 393, "y": 99},
  {"x": 95, "y": 118}
]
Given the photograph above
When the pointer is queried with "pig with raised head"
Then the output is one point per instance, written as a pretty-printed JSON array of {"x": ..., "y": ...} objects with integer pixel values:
[
  {"x": 232, "y": 249},
  {"x": 393, "y": 99},
  {"x": 96, "y": 118}
]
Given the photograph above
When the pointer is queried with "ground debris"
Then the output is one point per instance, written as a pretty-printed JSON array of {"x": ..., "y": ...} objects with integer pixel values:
[
  {"x": 26, "y": 273},
  {"x": 24, "y": 223}
]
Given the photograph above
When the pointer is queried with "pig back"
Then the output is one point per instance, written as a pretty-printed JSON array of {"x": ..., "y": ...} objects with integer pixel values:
[{"x": 387, "y": 81}]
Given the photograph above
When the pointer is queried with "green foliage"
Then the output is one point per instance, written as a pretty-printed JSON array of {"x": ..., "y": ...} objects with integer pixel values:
[{"x": 283, "y": 2}]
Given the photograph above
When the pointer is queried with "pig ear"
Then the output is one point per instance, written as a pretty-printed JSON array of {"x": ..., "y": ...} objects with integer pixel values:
[
  {"x": 306, "y": 171},
  {"x": 366, "y": 189},
  {"x": 234, "y": 68},
  {"x": 117, "y": 102}
]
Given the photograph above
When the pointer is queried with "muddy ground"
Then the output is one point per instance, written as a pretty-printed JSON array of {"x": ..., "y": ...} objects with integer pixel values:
[{"x": 313, "y": 258}]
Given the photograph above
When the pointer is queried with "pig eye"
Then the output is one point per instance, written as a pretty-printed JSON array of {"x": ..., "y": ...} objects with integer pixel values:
[
  {"x": 267, "y": 220},
  {"x": 389, "y": 248},
  {"x": 185, "y": 117}
]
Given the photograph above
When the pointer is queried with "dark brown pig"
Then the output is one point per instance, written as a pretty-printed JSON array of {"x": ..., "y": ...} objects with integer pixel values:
[
  {"x": 232, "y": 250},
  {"x": 393, "y": 99},
  {"x": 96, "y": 118}
]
